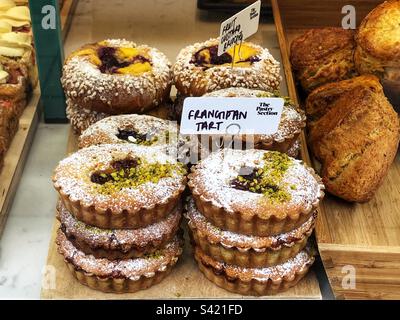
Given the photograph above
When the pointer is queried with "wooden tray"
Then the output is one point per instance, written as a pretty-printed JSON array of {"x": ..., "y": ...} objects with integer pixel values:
[
  {"x": 364, "y": 238},
  {"x": 16, "y": 155},
  {"x": 66, "y": 14},
  {"x": 185, "y": 281}
]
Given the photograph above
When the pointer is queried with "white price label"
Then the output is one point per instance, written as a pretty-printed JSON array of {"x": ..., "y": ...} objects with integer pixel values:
[
  {"x": 210, "y": 115},
  {"x": 239, "y": 27}
]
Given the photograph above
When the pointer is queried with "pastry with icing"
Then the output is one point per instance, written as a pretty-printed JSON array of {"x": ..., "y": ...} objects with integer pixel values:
[
  {"x": 123, "y": 186},
  {"x": 255, "y": 192},
  {"x": 117, "y": 76}
]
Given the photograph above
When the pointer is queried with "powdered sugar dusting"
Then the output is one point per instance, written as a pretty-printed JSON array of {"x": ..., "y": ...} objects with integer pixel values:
[
  {"x": 130, "y": 268},
  {"x": 230, "y": 239},
  {"x": 263, "y": 74},
  {"x": 211, "y": 180},
  {"x": 72, "y": 177},
  {"x": 292, "y": 120},
  {"x": 124, "y": 239}
]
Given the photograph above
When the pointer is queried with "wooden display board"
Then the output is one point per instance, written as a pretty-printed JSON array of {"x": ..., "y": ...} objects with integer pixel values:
[
  {"x": 360, "y": 238},
  {"x": 16, "y": 155},
  {"x": 185, "y": 281}
]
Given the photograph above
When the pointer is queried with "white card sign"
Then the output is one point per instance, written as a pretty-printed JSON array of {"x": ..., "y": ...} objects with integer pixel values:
[
  {"x": 239, "y": 27},
  {"x": 210, "y": 115}
]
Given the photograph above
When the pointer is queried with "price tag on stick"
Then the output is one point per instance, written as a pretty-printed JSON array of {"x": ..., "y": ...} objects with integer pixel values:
[{"x": 239, "y": 27}]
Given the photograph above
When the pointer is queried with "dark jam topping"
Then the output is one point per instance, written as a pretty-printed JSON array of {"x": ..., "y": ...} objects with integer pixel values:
[
  {"x": 121, "y": 167},
  {"x": 268, "y": 179},
  {"x": 199, "y": 59},
  {"x": 110, "y": 63},
  {"x": 126, "y": 134}
]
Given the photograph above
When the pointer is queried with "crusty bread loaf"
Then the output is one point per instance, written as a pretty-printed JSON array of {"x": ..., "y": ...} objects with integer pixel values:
[
  {"x": 323, "y": 55},
  {"x": 354, "y": 132}
]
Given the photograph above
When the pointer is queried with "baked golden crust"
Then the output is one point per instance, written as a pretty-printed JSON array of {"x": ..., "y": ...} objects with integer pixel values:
[
  {"x": 193, "y": 80},
  {"x": 16, "y": 87},
  {"x": 119, "y": 276},
  {"x": 378, "y": 38},
  {"x": 292, "y": 122},
  {"x": 92, "y": 89},
  {"x": 323, "y": 55},
  {"x": 253, "y": 213},
  {"x": 242, "y": 250},
  {"x": 255, "y": 281},
  {"x": 356, "y": 139},
  {"x": 119, "y": 244},
  {"x": 116, "y": 203}
]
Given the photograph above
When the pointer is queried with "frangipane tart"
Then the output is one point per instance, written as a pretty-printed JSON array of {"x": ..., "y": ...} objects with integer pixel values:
[
  {"x": 119, "y": 276},
  {"x": 243, "y": 250},
  {"x": 141, "y": 130},
  {"x": 292, "y": 122},
  {"x": 115, "y": 244},
  {"x": 117, "y": 76},
  {"x": 199, "y": 69},
  {"x": 255, "y": 281},
  {"x": 120, "y": 186},
  {"x": 254, "y": 192}
]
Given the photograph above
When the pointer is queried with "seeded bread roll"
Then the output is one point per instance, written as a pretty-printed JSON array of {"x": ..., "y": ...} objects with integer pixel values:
[
  {"x": 323, "y": 55},
  {"x": 357, "y": 137},
  {"x": 378, "y": 46}
]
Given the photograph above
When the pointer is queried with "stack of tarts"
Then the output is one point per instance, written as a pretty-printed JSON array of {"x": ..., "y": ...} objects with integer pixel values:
[
  {"x": 199, "y": 70},
  {"x": 114, "y": 77},
  {"x": 250, "y": 216},
  {"x": 120, "y": 211}
]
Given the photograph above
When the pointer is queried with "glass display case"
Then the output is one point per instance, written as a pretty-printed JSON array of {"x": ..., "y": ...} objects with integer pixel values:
[{"x": 121, "y": 179}]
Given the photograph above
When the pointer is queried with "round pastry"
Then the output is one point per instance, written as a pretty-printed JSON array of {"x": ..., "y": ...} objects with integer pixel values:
[
  {"x": 255, "y": 281},
  {"x": 243, "y": 250},
  {"x": 117, "y": 76},
  {"x": 293, "y": 121},
  {"x": 323, "y": 55},
  {"x": 199, "y": 69},
  {"x": 294, "y": 150},
  {"x": 119, "y": 276},
  {"x": 118, "y": 244},
  {"x": 138, "y": 129},
  {"x": 120, "y": 186},
  {"x": 378, "y": 46},
  {"x": 254, "y": 192},
  {"x": 81, "y": 119}
]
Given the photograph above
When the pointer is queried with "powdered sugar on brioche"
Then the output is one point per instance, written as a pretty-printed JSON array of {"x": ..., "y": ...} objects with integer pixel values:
[{"x": 263, "y": 74}]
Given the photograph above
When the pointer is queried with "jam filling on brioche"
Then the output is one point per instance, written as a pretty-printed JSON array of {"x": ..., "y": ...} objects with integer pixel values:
[
  {"x": 135, "y": 137},
  {"x": 131, "y": 173},
  {"x": 240, "y": 55},
  {"x": 266, "y": 180},
  {"x": 120, "y": 60}
]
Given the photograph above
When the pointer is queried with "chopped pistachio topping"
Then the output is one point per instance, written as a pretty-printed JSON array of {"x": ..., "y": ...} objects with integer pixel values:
[
  {"x": 133, "y": 173},
  {"x": 268, "y": 179},
  {"x": 276, "y": 94}
]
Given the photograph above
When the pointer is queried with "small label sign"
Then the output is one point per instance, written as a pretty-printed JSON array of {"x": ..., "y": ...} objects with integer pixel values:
[
  {"x": 239, "y": 27},
  {"x": 209, "y": 115}
]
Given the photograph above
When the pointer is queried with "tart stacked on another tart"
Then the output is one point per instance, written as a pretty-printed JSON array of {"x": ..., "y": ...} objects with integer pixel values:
[
  {"x": 199, "y": 70},
  {"x": 114, "y": 77},
  {"x": 120, "y": 211},
  {"x": 142, "y": 130},
  {"x": 285, "y": 140},
  {"x": 251, "y": 215}
]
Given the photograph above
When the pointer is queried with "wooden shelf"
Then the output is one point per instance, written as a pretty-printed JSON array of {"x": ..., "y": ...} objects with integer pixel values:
[
  {"x": 364, "y": 236},
  {"x": 185, "y": 281},
  {"x": 16, "y": 155},
  {"x": 66, "y": 14}
]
